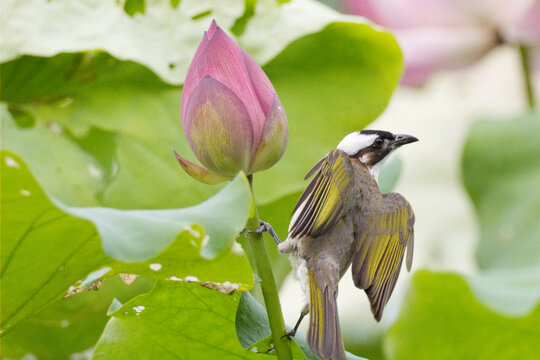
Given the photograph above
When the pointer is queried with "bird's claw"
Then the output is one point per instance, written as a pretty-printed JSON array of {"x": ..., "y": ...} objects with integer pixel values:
[
  {"x": 289, "y": 334},
  {"x": 262, "y": 228},
  {"x": 265, "y": 227}
]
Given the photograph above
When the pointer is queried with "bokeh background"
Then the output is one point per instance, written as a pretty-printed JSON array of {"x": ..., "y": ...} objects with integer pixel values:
[{"x": 91, "y": 103}]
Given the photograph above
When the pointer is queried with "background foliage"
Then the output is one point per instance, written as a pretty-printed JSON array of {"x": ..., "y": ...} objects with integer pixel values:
[{"x": 91, "y": 190}]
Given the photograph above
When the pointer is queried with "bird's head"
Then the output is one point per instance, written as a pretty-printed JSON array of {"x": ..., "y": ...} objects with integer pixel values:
[{"x": 373, "y": 147}]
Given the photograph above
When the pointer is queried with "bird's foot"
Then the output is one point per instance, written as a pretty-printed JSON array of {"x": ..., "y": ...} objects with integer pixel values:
[
  {"x": 265, "y": 227},
  {"x": 290, "y": 333},
  {"x": 241, "y": 232}
]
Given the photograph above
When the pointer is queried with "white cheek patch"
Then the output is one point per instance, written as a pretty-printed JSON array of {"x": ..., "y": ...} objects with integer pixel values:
[
  {"x": 366, "y": 158},
  {"x": 354, "y": 142},
  {"x": 376, "y": 169}
]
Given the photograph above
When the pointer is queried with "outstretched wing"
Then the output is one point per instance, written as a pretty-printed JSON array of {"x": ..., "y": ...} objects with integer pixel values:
[
  {"x": 382, "y": 234},
  {"x": 321, "y": 204}
]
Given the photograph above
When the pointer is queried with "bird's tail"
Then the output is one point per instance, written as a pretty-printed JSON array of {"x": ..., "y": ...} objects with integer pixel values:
[{"x": 324, "y": 335}]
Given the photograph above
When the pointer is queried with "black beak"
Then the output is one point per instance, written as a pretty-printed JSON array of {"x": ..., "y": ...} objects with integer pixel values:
[{"x": 402, "y": 139}]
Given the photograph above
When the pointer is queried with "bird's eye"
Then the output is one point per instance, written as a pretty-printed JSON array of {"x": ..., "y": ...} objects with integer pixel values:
[{"x": 378, "y": 143}]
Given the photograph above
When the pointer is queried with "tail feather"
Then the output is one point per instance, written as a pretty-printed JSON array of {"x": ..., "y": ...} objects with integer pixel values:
[{"x": 324, "y": 335}]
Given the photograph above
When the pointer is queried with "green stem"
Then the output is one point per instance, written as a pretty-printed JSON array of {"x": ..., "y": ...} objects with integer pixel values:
[
  {"x": 268, "y": 285},
  {"x": 527, "y": 77}
]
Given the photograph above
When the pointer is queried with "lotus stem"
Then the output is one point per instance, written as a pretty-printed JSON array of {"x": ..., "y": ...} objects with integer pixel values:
[
  {"x": 268, "y": 284},
  {"x": 527, "y": 76}
]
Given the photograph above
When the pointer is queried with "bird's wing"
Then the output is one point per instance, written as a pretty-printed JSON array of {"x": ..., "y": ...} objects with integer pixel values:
[
  {"x": 381, "y": 236},
  {"x": 321, "y": 204}
]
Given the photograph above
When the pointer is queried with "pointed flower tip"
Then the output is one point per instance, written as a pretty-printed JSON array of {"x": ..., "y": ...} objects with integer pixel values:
[
  {"x": 213, "y": 26},
  {"x": 199, "y": 173}
]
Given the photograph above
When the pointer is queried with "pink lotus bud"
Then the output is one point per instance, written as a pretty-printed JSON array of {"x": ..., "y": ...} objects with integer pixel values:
[
  {"x": 436, "y": 35},
  {"x": 231, "y": 115},
  {"x": 428, "y": 50}
]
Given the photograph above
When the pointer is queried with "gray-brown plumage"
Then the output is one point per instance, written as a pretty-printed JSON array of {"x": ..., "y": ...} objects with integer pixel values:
[{"x": 342, "y": 218}]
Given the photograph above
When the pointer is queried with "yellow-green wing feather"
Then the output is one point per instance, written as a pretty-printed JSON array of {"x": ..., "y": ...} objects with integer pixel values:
[
  {"x": 321, "y": 204},
  {"x": 383, "y": 233}
]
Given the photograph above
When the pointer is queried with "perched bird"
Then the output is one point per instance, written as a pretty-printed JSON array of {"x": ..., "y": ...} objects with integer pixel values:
[{"x": 342, "y": 218}]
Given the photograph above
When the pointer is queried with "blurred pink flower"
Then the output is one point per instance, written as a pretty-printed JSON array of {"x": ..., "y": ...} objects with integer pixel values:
[
  {"x": 231, "y": 115},
  {"x": 449, "y": 34}
]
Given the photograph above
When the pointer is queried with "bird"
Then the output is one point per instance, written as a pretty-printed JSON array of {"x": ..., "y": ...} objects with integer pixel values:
[{"x": 340, "y": 219}]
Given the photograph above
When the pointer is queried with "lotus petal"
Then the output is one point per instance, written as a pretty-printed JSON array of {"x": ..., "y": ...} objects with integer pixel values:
[
  {"x": 221, "y": 58},
  {"x": 525, "y": 29},
  {"x": 262, "y": 85},
  {"x": 191, "y": 82},
  {"x": 274, "y": 138},
  {"x": 427, "y": 50},
  {"x": 401, "y": 14},
  {"x": 218, "y": 128},
  {"x": 199, "y": 173}
]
